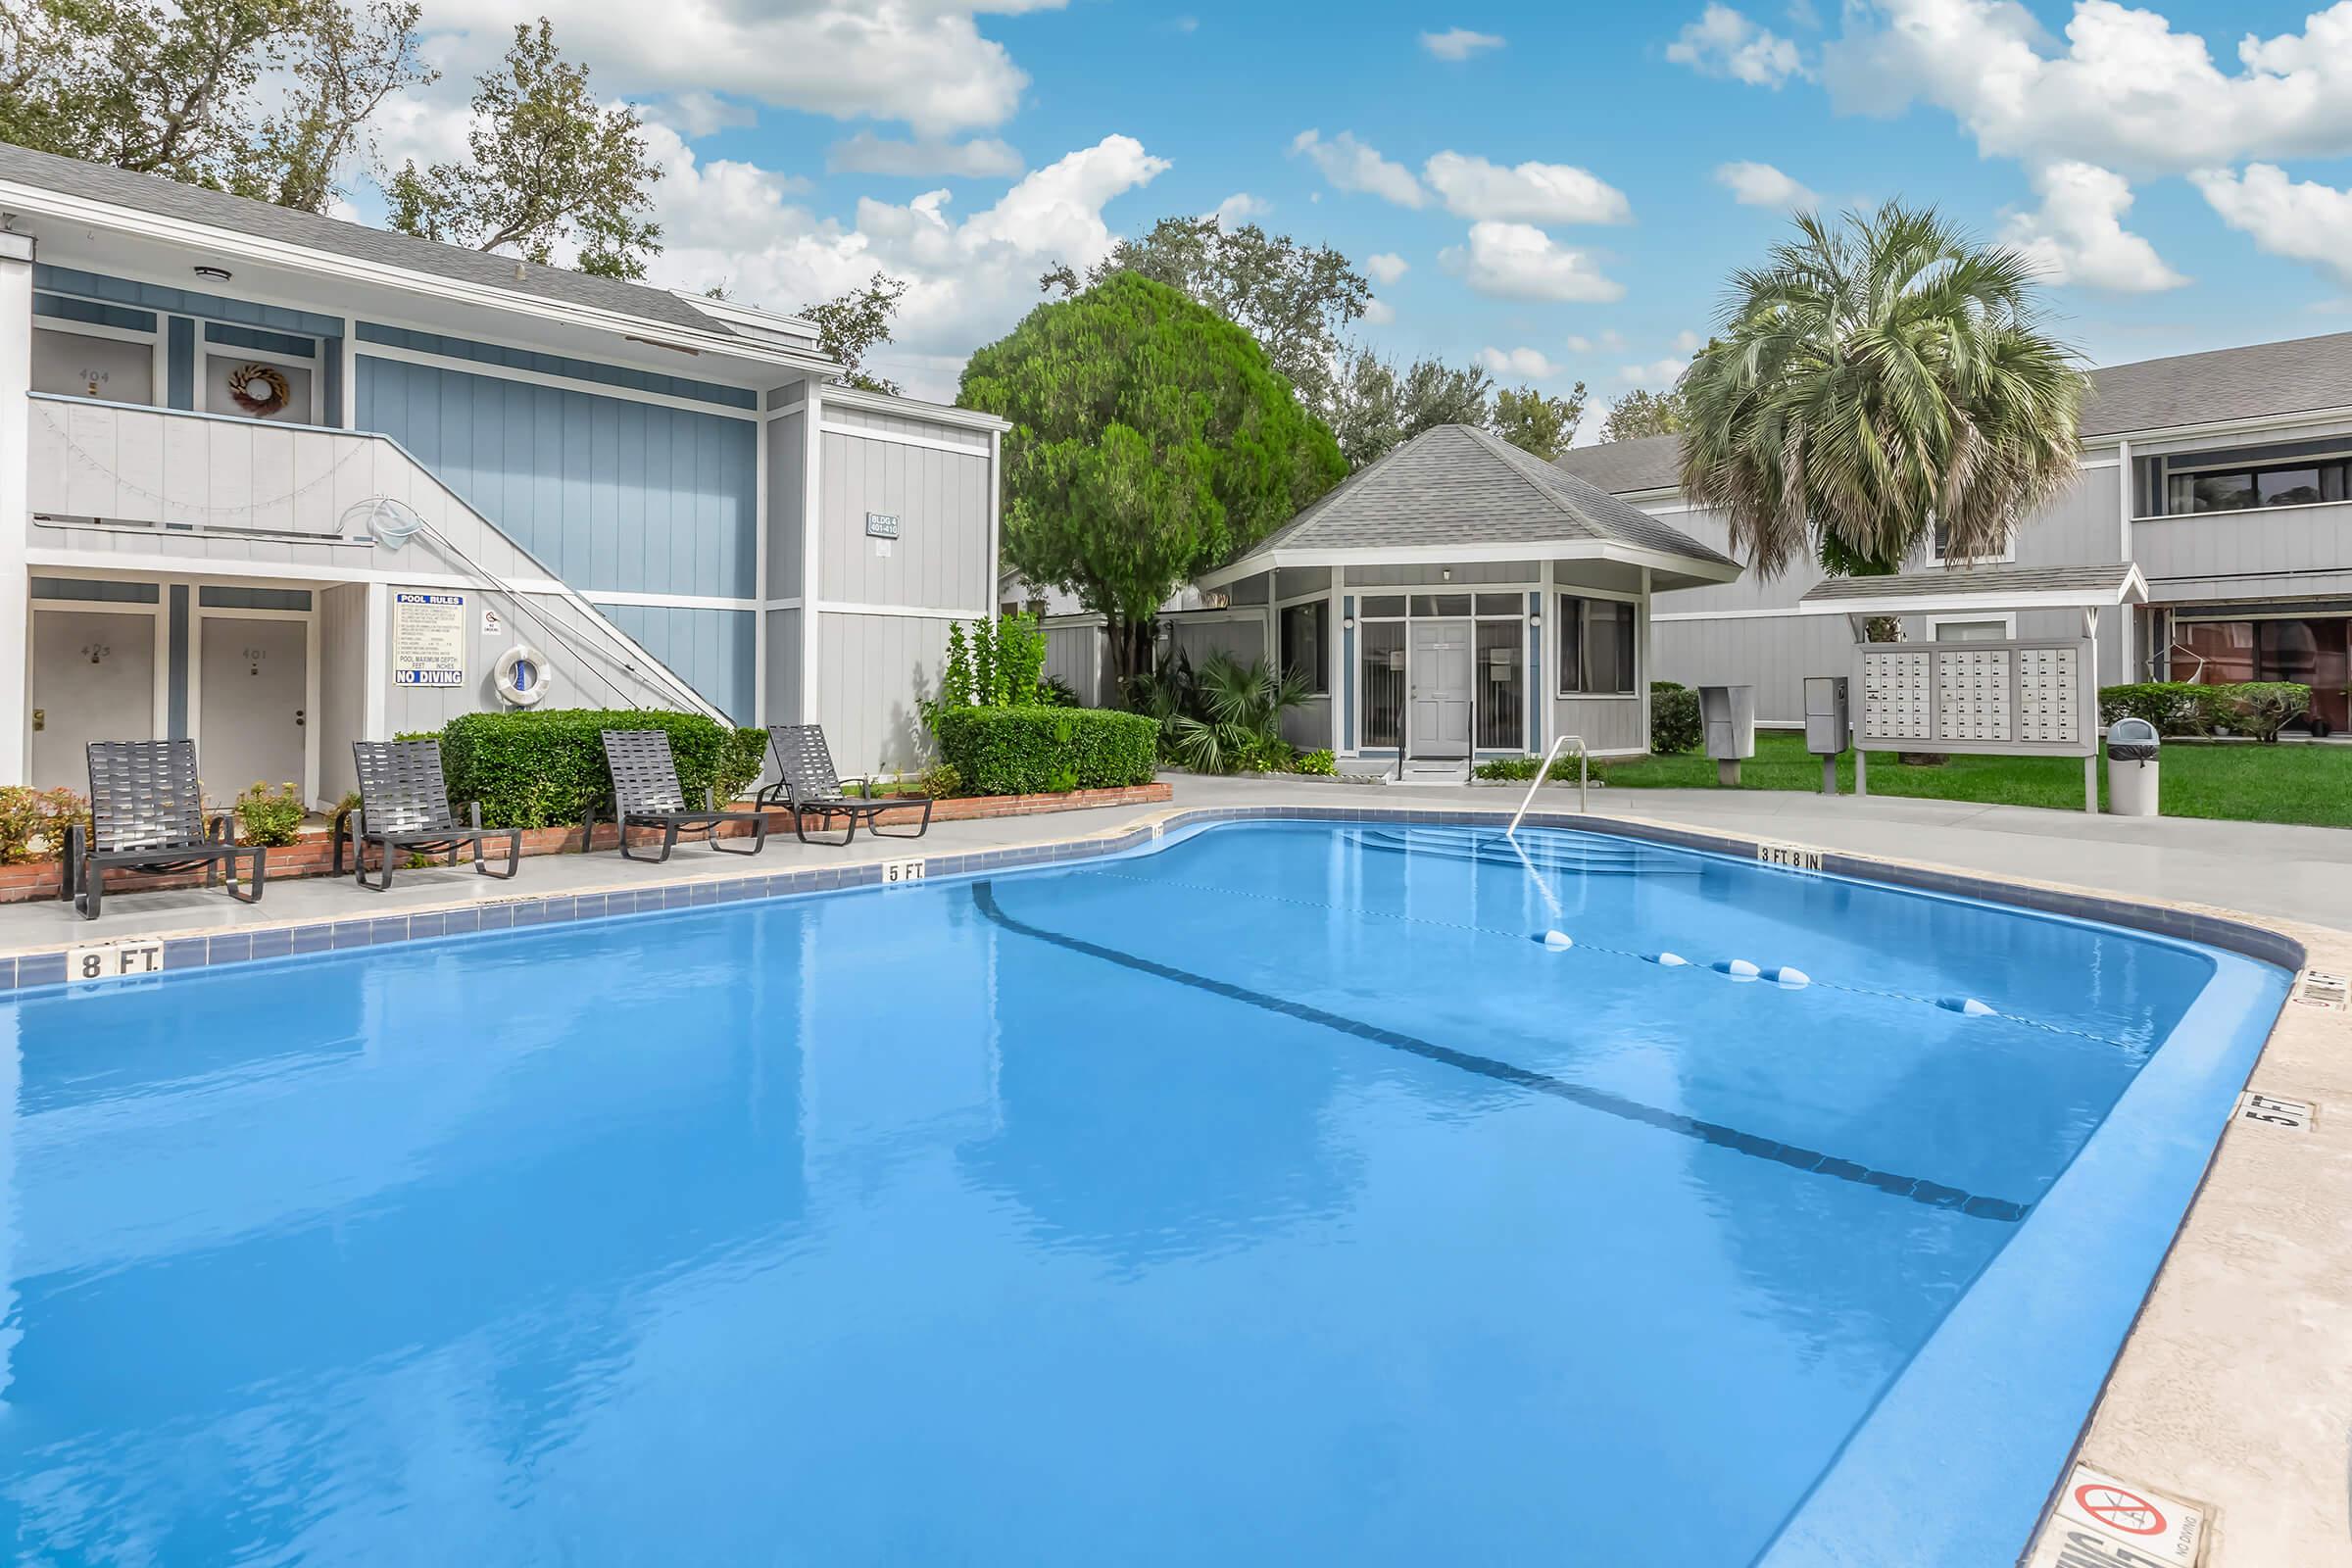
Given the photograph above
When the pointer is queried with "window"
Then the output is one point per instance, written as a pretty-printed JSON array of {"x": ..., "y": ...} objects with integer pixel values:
[
  {"x": 1302, "y": 627},
  {"x": 1937, "y": 542},
  {"x": 1597, "y": 647},
  {"x": 2241, "y": 489},
  {"x": 1971, "y": 628}
]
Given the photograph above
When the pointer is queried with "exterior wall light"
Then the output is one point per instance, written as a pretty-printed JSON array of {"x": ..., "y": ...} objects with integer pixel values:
[{"x": 222, "y": 273}]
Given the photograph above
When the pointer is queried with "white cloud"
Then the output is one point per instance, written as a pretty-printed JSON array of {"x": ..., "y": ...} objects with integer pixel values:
[
  {"x": 1762, "y": 185},
  {"x": 2127, "y": 92},
  {"x": 1531, "y": 193},
  {"x": 1608, "y": 342},
  {"x": 1520, "y": 261},
  {"x": 2301, "y": 219},
  {"x": 968, "y": 281},
  {"x": 1459, "y": 43},
  {"x": 1379, "y": 312},
  {"x": 696, "y": 114},
  {"x": 1386, "y": 266},
  {"x": 2078, "y": 235},
  {"x": 1526, "y": 361},
  {"x": 1657, "y": 374},
  {"x": 1241, "y": 208},
  {"x": 865, "y": 153},
  {"x": 923, "y": 62},
  {"x": 1350, "y": 165},
  {"x": 1723, "y": 42},
  {"x": 1688, "y": 342}
]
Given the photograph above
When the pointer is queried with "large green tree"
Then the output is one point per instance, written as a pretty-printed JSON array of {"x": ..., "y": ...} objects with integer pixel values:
[
  {"x": 1878, "y": 378},
  {"x": 854, "y": 324},
  {"x": 1640, "y": 414},
  {"x": 547, "y": 165},
  {"x": 266, "y": 98},
  {"x": 1375, "y": 407},
  {"x": 1150, "y": 440},
  {"x": 1295, "y": 299},
  {"x": 1533, "y": 423}
]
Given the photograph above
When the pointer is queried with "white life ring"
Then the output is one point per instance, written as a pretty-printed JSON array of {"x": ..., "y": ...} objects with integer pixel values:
[{"x": 524, "y": 676}]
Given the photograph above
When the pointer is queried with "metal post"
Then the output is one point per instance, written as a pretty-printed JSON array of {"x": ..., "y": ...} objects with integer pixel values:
[
  {"x": 2091, "y": 783},
  {"x": 1829, "y": 775},
  {"x": 1861, "y": 772}
]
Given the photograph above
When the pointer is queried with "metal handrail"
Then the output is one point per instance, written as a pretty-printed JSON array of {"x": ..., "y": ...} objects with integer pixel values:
[{"x": 1584, "y": 780}]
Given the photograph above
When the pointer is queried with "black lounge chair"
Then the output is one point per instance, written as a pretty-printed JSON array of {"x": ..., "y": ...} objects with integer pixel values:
[
  {"x": 403, "y": 808},
  {"x": 646, "y": 792},
  {"x": 147, "y": 814},
  {"x": 807, "y": 785}
]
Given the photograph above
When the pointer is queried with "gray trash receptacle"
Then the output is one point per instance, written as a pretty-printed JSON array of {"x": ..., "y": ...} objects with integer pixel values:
[{"x": 2131, "y": 767}]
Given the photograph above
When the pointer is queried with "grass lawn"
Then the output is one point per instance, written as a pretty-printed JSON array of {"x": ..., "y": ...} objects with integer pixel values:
[{"x": 2289, "y": 783}]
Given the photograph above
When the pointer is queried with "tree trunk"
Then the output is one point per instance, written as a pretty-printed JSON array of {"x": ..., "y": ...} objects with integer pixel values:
[{"x": 1131, "y": 646}]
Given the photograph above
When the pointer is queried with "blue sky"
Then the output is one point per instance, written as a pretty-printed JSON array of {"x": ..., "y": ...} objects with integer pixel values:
[{"x": 2181, "y": 170}]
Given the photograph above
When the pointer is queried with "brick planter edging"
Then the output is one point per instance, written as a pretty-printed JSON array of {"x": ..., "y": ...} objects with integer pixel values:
[
  {"x": 238, "y": 947},
  {"x": 315, "y": 855}
]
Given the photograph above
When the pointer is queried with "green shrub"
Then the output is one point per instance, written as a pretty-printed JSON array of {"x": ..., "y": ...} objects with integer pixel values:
[
  {"x": 1674, "y": 724},
  {"x": 2174, "y": 707},
  {"x": 269, "y": 817},
  {"x": 34, "y": 823},
  {"x": 2263, "y": 707},
  {"x": 1519, "y": 769},
  {"x": 942, "y": 782},
  {"x": 546, "y": 767},
  {"x": 1319, "y": 763},
  {"x": 1034, "y": 751}
]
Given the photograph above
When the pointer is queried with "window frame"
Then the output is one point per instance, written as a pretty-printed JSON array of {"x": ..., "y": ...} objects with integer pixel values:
[
  {"x": 1563, "y": 618},
  {"x": 1319, "y": 672}
]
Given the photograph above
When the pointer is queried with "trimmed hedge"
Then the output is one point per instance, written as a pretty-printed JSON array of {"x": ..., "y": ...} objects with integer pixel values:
[
  {"x": 546, "y": 767},
  {"x": 1674, "y": 724},
  {"x": 1047, "y": 751},
  {"x": 2259, "y": 708}
]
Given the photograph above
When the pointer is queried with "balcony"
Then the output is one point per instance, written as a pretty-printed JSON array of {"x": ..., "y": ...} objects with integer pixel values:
[{"x": 2263, "y": 552}]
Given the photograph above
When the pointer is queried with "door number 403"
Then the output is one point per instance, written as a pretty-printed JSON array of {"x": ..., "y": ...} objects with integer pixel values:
[
  {"x": 894, "y": 871},
  {"x": 114, "y": 960}
]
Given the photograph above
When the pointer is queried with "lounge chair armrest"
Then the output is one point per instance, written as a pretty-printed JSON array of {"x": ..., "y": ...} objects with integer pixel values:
[
  {"x": 865, "y": 786},
  {"x": 473, "y": 815},
  {"x": 217, "y": 827}
]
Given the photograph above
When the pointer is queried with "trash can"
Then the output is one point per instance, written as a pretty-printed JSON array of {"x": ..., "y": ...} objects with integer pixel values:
[{"x": 2132, "y": 766}]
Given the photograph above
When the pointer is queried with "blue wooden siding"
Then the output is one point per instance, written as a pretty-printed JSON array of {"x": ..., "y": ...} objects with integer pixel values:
[
  {"x": 609, "y": 493},
  {"x": 179, "y": 362},
  {"x": 514, "y": 359},
  {"x": 65, "y": 308},
  {"x": 183, "y": 301},
  {"x": 247, "y": 337},
  {"x": 710, "y": 650}
]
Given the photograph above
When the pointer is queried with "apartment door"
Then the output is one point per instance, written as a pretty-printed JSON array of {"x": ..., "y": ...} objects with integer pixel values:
[
  {"x": 93, "y": 679},
  {"x": 1438, "y": 677},
  {"x": 253, "y": 683}
]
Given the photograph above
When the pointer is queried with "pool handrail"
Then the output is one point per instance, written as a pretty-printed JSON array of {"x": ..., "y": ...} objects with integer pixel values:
[{"x": 1584, "y": 794}]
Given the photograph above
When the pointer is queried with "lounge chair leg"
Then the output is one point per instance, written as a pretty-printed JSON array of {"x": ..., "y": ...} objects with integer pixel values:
[
  {"x": 261, "y": 875},
  {"x": 94, "y": 884}
]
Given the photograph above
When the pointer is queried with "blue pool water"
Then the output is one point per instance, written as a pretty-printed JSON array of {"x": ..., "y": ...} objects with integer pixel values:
[{"x": 1275, "y": 1196}]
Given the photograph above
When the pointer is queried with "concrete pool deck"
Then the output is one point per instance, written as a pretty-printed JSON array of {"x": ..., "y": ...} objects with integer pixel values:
[{"x": 2233, "y": 1391}]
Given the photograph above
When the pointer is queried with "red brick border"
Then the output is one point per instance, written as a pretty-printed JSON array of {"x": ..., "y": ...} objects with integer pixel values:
[{"x": 315, "y": 855}]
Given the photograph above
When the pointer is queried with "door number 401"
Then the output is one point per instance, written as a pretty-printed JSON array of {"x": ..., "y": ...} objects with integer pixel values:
[{"x": 114, "y": 960}]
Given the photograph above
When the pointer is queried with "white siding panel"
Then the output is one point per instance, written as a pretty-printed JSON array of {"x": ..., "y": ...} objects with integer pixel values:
[{"x": 871, "y": 672}]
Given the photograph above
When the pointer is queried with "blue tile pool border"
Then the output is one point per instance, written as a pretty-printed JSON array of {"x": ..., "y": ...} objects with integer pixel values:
[{"x": 358, "y": 929}]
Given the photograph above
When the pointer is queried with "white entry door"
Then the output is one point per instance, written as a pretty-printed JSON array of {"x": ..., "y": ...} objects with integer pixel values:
[
  {"x": 249, "y": 720},
  {"x": 93, "y": 679},
  {"x": 1439, "y": 673}
]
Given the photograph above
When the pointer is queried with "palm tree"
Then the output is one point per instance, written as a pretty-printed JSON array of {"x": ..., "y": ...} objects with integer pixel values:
[{"x": 1875, "y": 380}]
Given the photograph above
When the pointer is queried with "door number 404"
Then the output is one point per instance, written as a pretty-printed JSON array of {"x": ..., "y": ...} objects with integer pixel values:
[{"x": 114, "y": 960}]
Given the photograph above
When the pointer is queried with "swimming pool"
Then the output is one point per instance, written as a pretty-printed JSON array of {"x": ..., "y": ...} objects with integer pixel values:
[{"x": 1274, "y": 1196}]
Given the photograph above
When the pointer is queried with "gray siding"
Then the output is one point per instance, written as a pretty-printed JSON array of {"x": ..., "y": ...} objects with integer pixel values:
[
  {"x": 609, "y": 492},
  {"x": 342, "y": 686},
  {"x": 1078, "y": 655},
  {"x": 1606, "y": 723},
  {"x": 1309, "y": 725},
  {"x": 2284, "y": 553},
  {"x": 783, "y": 667},
  {"x": 1243, "y": 637},
  {"x": 871, "y": 671},
  {"x": 904, "y": 425},
  {"x": 939, "y": 559},
  {"x": 713, "y": 651},
  {"x": 1464, "y": 573},
  {"x": 787, "y": 500}
]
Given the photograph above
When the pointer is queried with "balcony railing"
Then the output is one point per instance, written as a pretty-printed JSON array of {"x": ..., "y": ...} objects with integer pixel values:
[
  {"x": 2295, "y": 541},
  {"x": 168, "y": 467}
]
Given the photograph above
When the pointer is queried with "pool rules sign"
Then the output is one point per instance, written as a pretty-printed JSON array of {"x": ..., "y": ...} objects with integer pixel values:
[
  {"x": 2101, "y": 1522},
  {"x": 428, "y": 639}
]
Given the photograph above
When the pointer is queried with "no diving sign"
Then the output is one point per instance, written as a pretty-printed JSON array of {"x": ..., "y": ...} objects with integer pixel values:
[{"x": 2102, "y": 1522}]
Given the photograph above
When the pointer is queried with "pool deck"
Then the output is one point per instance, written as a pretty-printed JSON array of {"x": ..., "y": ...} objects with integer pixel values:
[{"x": 2234, "y": 1391}]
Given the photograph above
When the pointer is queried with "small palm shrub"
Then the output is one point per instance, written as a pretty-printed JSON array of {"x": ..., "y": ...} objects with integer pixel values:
[{"x": 1239, "y": 726}]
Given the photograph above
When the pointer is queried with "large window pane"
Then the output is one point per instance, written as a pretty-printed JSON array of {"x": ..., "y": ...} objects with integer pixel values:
[
  {"x": 1610, "y": 646},
  {"x": 2221, "y": 492},
  {"x": 1501, "y": 678},
  {"x": 1302, "y": 645},
  {"x": 2288, "y": 487},
  {"x": 1381, "y": 681},
  {"x": 1571, "y": 621}
]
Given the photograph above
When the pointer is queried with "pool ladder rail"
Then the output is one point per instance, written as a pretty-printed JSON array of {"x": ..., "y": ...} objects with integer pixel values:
[{"x": 1584, "y": 780}]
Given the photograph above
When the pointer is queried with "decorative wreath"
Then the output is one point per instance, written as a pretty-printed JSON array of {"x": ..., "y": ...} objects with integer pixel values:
[{"x": 260, "y": 388}]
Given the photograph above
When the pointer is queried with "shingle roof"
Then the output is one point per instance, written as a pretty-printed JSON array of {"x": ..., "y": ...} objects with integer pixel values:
[
  {"x": 2253, "y": 382},
  {"x": 1454, "y": 484},
  {"x": 151, "y": 193},
  {"x": 2094, "y": 585}
]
